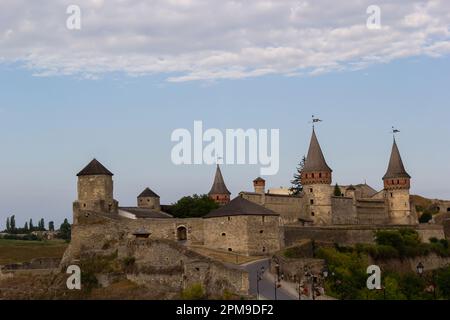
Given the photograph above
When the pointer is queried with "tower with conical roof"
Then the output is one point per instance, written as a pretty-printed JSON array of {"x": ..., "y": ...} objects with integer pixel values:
[
  {"x": 95, "y": 190},
  {"x": 397, "y": 183},
  {"x": 149, "y": 199},
  {"x": 219, "y": 192},
  {"x": 316, "y": 178}
]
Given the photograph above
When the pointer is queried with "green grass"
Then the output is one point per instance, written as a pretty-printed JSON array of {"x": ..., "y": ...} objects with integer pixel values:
[{"x": 16, "y": 251}]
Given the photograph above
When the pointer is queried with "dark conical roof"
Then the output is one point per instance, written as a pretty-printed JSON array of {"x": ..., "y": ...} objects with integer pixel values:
[
  {"x": 219, "y": 186},
  {"x": 241, "y": 207},
  {"x": 148, "y": 193},
  {"x": 259, "y": 179},
  {"x": 315, "y": 161},
  {"x": 95, "y": 168},
  {"x": 396, "y": 168}
]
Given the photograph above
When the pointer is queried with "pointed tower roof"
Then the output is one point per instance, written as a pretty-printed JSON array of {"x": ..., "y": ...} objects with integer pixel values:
[
  {"x": 315, "y": 161},
  {"x": 219, "y": 186},
  {"x": 148, "y": 193},
  {"x": 94, "y": 168},
  {"x": 396, "y": 168}
]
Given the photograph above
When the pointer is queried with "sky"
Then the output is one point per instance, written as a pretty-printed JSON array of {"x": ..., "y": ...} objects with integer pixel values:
[{"x": 137, "y": 70}]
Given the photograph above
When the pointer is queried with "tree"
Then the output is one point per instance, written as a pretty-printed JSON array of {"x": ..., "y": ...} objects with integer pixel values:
[
  {"x": 193, "y": 206},
  {"x": 31, "y": 225},
  {"x": 425, "y": 217},
  {"x": 65, "y": 230},
  {"x": 8, "y": 225},
  {"x": 12, "y": 223},
  {"x": 51, "y": 226},
  {"x": 337, "y": 191},
  {"x": 297, "y": 186},
  {"x": 25, "y": 228},
  {"x": 41, "y": 225}
]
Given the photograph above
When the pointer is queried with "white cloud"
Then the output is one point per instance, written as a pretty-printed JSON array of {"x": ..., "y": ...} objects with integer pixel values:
[{"x": 217, "y": 39}]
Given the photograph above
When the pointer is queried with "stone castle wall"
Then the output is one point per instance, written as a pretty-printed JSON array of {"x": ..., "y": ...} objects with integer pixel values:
[
  {"x": 249, "y": 235},
  {"x": 344, "y": 211},
  {"x": 349, "y": 235},
  {"x": 288, "y": 207}
]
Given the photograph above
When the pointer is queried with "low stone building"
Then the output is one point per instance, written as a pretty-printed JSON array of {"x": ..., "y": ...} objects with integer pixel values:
[{"x": 242, "y": 227}]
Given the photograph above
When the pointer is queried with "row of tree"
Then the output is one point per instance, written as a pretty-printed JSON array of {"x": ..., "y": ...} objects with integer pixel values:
[
  {"x": 64, "y": 231},
  {"x": 29, "y": 227}
]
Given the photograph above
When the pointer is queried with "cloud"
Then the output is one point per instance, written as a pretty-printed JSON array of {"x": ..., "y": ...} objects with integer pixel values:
[{"x": 189, "y": 40}]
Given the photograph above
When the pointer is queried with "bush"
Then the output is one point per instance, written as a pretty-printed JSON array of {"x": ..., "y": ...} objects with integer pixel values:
[
  {"x": 425, "y": 217},
  {"x": 194, "y": 292}
]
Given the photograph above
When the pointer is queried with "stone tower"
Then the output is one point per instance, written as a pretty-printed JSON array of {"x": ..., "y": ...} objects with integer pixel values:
[
  {"x": 95, "y": 190},
  {"x": 149, "y": 200},
  {"x": 219, "y": 192},
  {"x": 397, "y": 183},
  {"x": 260, "y": 185},
  {"x": 316, "y": 178}
]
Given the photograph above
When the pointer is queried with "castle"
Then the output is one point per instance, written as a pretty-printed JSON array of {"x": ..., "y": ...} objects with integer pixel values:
[
  {"x": 356, "y": 205},
  {"x": 254, "y": 223}
]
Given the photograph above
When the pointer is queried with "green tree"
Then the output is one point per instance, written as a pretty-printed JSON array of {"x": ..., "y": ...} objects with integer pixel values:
[
  {"x": 51, "y": 226},
  {"x": 297, "y": 186},
  {"x": 12, "y": 223},
  {"x": 65, "y": 230},
  {"x": 193, "y": 206},
  {"x": 337, "y": 191},
  {"x": 25, "y": 227},
  {"x": 8, "y": 225},
  {"x": 41, "y": 225},
  {"x": 443, "y": 282},
  {"x": 31, "y": 225},
  {"x": 425, "y": 217}
]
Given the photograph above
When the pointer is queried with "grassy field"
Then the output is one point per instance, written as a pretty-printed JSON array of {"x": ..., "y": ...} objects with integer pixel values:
[{"x": 16, "y": 251}]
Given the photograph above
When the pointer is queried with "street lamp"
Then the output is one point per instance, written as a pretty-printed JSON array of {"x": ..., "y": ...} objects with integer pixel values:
[
  {"x": 420, "y": 268},
  {"x": 259, "y": 275},
  {"x": 325, "y": 272}
]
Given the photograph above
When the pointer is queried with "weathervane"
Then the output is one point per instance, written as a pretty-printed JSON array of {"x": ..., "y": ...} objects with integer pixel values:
[
  {"x": 315, "y": 120},
  {"x": 394, "y": 131}
]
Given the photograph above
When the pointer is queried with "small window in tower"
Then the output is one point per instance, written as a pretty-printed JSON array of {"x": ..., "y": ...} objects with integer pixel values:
[
  {"x": 229, "y": 249},
  {"x": 398, "y": 181},
  {"x": 261, "y": 231},
  {"x": 312, "y": 175},
  {"x": 148, "y": 200},
  {"x": 320, "y": 175},
  {"x": 224, "y": 234},
  {"x": 392, "y": 195},
  {"x": 312, "y": 214},
  {"x": 229, "y": 218},
  {"x": 311, "y": 201},
  {"x": 448, "y": 209},
  {"x": 84, "y": 205},
  {"x": 217, "y": 197},
  {"x": 311, "y": 190},
  {"x": 264, "y": 249},
  {"x": 263, "y": 219}
]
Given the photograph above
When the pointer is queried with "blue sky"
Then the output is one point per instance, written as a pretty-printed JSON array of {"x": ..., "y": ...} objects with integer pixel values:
[
  {"x": 51, "y": 127},
  {"x": 137, "y": 70}
]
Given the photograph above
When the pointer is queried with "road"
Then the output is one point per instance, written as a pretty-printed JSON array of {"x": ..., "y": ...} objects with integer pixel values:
[{"x": 266, "y": 285}]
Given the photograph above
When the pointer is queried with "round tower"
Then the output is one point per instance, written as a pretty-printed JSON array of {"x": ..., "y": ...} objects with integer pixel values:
[
  {"x": 219, "y": 192},
  {"x": 95, "y": 190},
  {"x": 148, "y": 199},
  {"x": 316, "y": 178},
  {"x": 397, "y": 183},
  {"x": 259, "y": 185}
]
